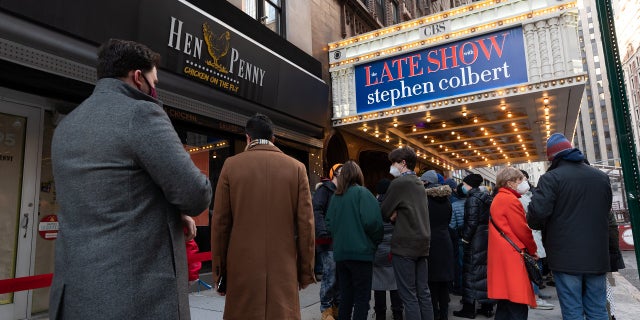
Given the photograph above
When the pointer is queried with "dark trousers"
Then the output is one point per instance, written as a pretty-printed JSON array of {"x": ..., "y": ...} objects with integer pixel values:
[
  {"x": 355, "y": 288},
  {"x": 439, "y": 297},
  {"x": 508, "y": 310},
  {"x": 456, "y": 284},
  {"x": 380, "y": 298},
  {"x": 412, "y": 277}
]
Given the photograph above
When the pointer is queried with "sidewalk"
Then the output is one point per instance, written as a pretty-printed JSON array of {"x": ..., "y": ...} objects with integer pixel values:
[{"x": 208, "y": 305}]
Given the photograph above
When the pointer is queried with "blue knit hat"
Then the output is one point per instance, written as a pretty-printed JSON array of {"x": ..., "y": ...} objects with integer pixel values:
[{"x": 556, "y": 144}]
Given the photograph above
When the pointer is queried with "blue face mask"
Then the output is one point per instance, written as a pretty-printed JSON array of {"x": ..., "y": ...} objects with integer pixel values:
[{"x": 464, "y": 190}]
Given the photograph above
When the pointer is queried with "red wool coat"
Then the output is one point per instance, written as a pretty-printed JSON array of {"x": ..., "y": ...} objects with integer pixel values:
[{"x": 507, "y": 277}]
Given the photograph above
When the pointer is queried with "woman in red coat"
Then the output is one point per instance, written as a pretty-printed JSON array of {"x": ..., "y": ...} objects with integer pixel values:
[{"x": 507, "y": 279}]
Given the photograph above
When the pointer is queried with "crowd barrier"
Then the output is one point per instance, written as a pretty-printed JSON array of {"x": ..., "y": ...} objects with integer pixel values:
[{"x": 44, "y": 280}]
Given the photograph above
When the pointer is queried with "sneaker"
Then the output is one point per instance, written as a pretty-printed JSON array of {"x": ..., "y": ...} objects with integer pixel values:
[{"x": 544, "y": 305}]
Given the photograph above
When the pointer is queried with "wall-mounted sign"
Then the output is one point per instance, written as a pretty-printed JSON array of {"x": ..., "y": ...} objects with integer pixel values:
[
  {"x": 435, "y": 29},
  {"x": 48, "y": 227},
  {"x": 200, "y": 47},
  {"x": 481, "y": 63}
]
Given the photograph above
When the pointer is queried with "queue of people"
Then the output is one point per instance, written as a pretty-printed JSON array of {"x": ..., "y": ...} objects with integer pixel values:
[{"x": 420, "y": 239}]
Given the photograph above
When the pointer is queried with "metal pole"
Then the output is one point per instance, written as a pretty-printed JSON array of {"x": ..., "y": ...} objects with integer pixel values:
[{"x": 621, "y": 115}]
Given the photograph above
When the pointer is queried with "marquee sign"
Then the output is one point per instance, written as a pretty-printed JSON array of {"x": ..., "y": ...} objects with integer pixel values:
[{"x": 480, "y": 63}]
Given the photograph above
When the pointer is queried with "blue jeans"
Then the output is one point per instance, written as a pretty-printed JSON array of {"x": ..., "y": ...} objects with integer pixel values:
[
  {"x": 355, "y": 288},
  {"x": 328, "y": 288},
  {"x": 412, "y": 277},
  {"x": 582, "y": 296}
]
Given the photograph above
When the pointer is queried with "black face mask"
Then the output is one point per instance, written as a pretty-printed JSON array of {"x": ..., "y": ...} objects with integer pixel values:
[{"x": 152, "y": 91}]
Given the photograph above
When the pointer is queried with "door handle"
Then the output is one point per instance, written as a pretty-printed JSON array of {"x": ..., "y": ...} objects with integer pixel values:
[{"x": 25, "y": 224}]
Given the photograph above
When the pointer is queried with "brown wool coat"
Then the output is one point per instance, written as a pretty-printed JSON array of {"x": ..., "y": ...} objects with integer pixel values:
[{"x": 262, "y": 199}]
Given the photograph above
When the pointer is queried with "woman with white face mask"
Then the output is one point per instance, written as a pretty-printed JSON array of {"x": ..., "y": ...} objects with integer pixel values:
[{"x": 507, "y": 278}]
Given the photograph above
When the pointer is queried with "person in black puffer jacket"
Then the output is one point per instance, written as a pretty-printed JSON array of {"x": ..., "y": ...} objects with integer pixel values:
[{"x": 475, "y": 239}]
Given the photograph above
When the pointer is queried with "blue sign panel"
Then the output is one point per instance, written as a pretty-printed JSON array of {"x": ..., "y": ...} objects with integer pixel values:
[{"x": 476, "y": 64}]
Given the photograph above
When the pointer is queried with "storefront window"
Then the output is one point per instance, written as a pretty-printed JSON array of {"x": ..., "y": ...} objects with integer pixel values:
[
  {"x": 208, "y": 150},
  {"x": 12, "y": 137}
]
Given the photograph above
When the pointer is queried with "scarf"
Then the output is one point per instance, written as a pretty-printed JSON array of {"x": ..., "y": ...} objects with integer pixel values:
[{"x": 256, "y": 142}]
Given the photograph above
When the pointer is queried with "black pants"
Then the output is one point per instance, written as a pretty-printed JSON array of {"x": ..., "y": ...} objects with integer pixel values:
[
  {"x": 380, "y": 298},
  {"x": 439, "y": 297},
  {"x": 508, "y": 310},
  {"x": 456, "y": 284},
  {"x": 355, "y": 288}
]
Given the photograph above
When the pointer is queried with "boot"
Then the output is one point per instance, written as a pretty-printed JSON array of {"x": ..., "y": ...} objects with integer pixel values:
[
  {"x": 327, "y": 314},
  {"x": 444, "y": 313},
  {"x": 468, "y": 311},
  {"x": 486, "y": 310}
]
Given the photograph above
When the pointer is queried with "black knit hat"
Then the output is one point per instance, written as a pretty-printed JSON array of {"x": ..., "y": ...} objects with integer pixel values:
[{"x": 474, "y": 180}]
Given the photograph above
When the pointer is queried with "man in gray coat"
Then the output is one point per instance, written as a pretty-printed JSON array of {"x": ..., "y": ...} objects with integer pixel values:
[{"x": 126, "y": 188}]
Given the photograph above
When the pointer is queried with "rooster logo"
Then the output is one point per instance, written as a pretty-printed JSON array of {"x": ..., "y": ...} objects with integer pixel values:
[{"x": 218, "y": 47}]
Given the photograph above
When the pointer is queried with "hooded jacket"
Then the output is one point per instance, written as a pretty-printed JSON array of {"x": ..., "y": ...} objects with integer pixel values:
[{"x": 441, "y": 252}]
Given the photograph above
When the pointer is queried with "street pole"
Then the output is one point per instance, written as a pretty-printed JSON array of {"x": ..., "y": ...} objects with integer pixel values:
[{"x": 622, "y": 117}]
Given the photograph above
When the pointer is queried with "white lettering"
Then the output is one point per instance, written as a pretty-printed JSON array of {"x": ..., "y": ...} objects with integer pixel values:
[
  {"x": 187, "y": 43},
  {"x": 245, "y": 69},
  {"x": 173, "y": 33},
  {"x": 234, "y": 57}
]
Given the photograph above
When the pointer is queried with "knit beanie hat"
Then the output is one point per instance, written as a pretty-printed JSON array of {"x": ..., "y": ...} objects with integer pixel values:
[
  {"x": 440, "y": 178},
  {"x": 556, "y": 144},
  {"x": 430, "y": 176},
  {"x": 474, "y": 180}
]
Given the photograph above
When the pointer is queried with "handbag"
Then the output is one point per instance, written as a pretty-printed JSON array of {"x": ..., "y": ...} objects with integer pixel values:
[{"x": 530, "y": 263}]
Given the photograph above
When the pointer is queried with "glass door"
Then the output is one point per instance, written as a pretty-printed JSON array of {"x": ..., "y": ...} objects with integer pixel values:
[{"x": 19, "y": 148}]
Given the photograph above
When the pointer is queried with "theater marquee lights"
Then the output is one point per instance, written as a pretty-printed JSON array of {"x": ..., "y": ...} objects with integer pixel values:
[{"x": 478, "y": 85}]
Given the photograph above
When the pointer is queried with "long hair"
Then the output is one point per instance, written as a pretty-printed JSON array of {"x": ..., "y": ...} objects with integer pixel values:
[{"x": 349, "y": 175}]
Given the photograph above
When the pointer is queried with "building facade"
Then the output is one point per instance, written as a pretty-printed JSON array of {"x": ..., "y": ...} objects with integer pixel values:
[
  {"x": 595, "y": 134},
  {"x": 219, "y": 66},
  {"x": 476, "y": 86},
  {"x": 627, "y": 30}
]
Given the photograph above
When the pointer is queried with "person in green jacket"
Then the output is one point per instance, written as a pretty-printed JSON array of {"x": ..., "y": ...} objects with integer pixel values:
[{"x": 355, "y": 223}]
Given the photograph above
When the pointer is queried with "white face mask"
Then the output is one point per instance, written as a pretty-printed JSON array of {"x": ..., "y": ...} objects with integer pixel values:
[
  {"x": 523, "y": 187},
  {"x": 394, "y": 171}
]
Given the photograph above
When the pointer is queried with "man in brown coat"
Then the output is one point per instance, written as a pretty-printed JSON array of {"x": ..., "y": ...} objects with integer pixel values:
[{"x": 262, "y": 230}]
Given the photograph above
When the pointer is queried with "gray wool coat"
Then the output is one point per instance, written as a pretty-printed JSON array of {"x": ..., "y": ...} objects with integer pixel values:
[{"x": 122, "y": 179}]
